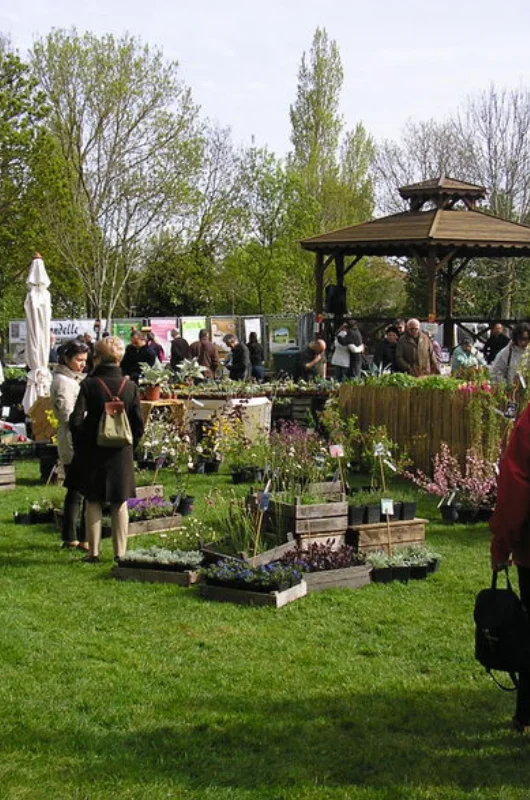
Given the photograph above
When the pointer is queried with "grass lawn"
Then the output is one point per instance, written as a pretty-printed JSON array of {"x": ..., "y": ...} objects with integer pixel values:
[{"x": 125, "y": 690}]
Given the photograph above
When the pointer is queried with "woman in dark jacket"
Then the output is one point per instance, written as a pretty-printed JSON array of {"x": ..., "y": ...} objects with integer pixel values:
[
  {"x": 257, "y": 356},
  {"x": 105, "y": 474}
]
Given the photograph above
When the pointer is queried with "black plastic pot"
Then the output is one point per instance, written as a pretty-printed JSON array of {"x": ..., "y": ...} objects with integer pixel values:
[
  {"x": 468, "y": 516},
  {"x": 40, "y": 517},
  {"x": 395, "y": 516},
  {"x": 401, "y": 573},
  {"x": 186, "y": 505},
  {"x": 484, "y": 514},
  {"x": 433, "y": 565},
  {"x": 418, "y": 572},
  {"x": 372, "y": 514},
  {"x": 356, "y": 515},
  {"x": 408, "y": 510},
  {"x": 382, "y": 574},
  {"x": 247, "y": 475},
  {"x": 211, "y": 466},
  {"x": 450, "y": 514},
  {"x": 21, "y": 519},
  {"x": 7, "y": 457}
]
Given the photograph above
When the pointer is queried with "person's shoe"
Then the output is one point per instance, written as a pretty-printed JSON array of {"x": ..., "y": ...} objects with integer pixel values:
[
  {"x": 91, "y": 559},
  {"x": 520, "y": 727}
]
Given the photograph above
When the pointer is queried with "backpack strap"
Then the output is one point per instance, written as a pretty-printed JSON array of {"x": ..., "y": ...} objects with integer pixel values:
[
  {"x": 106, "y": 388},
  {"x": 513, "y": 678}
]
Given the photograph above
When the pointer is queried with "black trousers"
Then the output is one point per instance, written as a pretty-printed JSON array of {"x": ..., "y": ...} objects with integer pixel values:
[
  {"x": 73, "y": 503},
  {"x": 522, "y": 707}
]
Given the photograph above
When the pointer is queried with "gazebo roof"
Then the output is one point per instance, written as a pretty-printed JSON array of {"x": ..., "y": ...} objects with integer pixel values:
[
  {"x": 474, "y": 233},
  {"x": 443, "y": 185}
]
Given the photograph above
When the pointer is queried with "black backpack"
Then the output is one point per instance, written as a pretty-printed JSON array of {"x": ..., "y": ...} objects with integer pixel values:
[{"x": 502, "y": 631}]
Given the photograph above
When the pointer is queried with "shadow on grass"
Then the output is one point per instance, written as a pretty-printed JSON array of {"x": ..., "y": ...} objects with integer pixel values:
[{"x": 387, "y": 741}]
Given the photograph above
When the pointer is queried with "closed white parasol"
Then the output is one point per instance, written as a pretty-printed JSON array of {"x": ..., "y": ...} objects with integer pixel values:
[{"x": 38, "y": 317}]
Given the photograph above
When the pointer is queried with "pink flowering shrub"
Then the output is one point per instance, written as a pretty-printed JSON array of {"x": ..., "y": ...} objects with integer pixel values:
[{"x": 475, "y": 486}]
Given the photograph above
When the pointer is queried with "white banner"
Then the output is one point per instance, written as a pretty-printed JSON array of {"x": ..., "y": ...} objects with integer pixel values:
[{"x": 62, "y": 328}]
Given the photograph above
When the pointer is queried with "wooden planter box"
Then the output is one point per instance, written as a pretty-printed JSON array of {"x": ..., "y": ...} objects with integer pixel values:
[
  {"x": 156, "y": 525},
  {"x": 273, "y": 599},
  {"x": 146, "y": 492},
  {"x": 146, "y": 575},
  {"x": 367, "y": 538},
  {"x": 347, "y": 578},
  {"x": 8, "y": 477},
  {"x": 270, "y": 555},
  {"x": 308, "y": 524}
]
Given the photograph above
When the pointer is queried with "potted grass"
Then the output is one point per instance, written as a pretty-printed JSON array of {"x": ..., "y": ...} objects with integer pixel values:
[
  {"x": 407, "y": 498},
  {"x": 372, "y": 514},
  {"x": 357, "y": 503}
]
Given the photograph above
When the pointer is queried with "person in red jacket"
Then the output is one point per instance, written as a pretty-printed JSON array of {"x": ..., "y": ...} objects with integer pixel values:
[{"x": 510, "y": 527}]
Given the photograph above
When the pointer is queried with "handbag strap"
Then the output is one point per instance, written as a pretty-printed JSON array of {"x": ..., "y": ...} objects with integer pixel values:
[
  {"x": 514, "y": 679},
  {"x": 494, "y": 578},
  {"x": 106, "y": 388}
]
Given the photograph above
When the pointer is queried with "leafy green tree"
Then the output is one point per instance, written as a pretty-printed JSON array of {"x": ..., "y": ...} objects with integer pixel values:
[
  {"x": 269, "y": 272},
  {"x": 22, "y": 111},
  {"x": 127, "y": 146}
]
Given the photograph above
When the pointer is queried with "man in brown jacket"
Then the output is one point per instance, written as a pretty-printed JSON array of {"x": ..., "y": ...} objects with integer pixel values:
[
  {"x": 206, "y": 354},
  {"x": 414, "y": 352}
]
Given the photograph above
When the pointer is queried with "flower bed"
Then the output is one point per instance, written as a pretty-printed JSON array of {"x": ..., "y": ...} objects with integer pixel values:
[
  {"x": 326, "y": 567},
  {"x": 158, "y": 565},
  {"x": 271, "y": 584}
]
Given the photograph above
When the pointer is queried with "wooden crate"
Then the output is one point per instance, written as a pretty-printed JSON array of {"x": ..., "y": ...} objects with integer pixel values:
[
  {"x": 347, "y": 578},
  {"x": 375, "y": 537},
  {"x": 158, "y": 525},
  {"x": 8, "y": 478},
  {"x": 155, "y": 575},
  {"x": 308, "y": 524},
  {"x": 145, "y": 492},
  {"x": 272, "y": 599}
]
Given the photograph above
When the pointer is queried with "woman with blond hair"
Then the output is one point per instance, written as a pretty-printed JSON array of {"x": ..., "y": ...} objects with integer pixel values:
[{"x": 106, "y": 474}]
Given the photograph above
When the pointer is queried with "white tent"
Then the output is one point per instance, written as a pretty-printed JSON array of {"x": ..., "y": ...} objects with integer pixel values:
[{"x": 38, "y": 317}]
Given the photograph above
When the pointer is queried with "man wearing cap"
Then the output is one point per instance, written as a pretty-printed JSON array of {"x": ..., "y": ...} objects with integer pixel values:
[{"x": 465, "y": 356}]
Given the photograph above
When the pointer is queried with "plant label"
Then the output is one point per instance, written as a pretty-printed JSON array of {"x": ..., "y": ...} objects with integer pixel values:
[
  {"x": 451, "y": 498},
  {"x": 521, "y": 380},
  {"x": 389, "y": 465},
  {"x": 510, "y": 412},
  {"x": 336, "y": 451},
  {"x": 264, "y": 500},
  {"x": 387, "y": 507},
  {"x": 379, "y": 449}
]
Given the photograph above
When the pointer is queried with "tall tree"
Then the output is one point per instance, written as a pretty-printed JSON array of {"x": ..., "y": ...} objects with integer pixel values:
[
  {"x": 127, "y": 150},
  {"x": 22, "y": 111},
  {"x": 316, "y": 124}
]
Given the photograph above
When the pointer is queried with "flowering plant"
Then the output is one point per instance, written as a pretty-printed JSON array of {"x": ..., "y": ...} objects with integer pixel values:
[
  {"x": 192, "y": 534},
  {"x": 268, "y": 576},
  {"x": 236, "y": 448},
  {"x": 162, "y": 442},
  {"x": 150, "y": 508},
  {"x": 475, "y": 485},
  {"x": 297, "y": 457}
]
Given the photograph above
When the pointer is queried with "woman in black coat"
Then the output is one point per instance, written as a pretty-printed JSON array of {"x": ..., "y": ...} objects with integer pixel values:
[{"x": 105, "y": 474}]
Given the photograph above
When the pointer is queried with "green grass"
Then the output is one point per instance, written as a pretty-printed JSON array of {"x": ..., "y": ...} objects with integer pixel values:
[{"x": 124, "y": 690}]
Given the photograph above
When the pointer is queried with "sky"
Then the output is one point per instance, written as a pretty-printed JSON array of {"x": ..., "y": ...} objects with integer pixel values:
[{"x": 406, "y": 60}]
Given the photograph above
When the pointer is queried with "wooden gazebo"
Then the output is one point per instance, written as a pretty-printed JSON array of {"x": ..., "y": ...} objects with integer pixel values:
[{"x": 442, "y": 237}]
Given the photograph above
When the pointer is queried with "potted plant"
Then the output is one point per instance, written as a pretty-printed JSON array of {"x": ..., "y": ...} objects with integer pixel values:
[
  {"x": 381, "y": 567},
  {"x": 41, "y": 511},
  {"x": 372, "y": 513},
  {"x": 418, "y": 559},
  {"x": 160, "y": 565},
  {"x": 328, "y": 567},
  {"x": 153, "y": 381},
  {"x": 190, "y": 371},
  {"x": 272, "y": 584},
  {"x": 151, "y": 514},
  {"x": 400, "y": 566},
  {"x": 407, "y": 498},
  {"x": 357, "y": 503}
]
